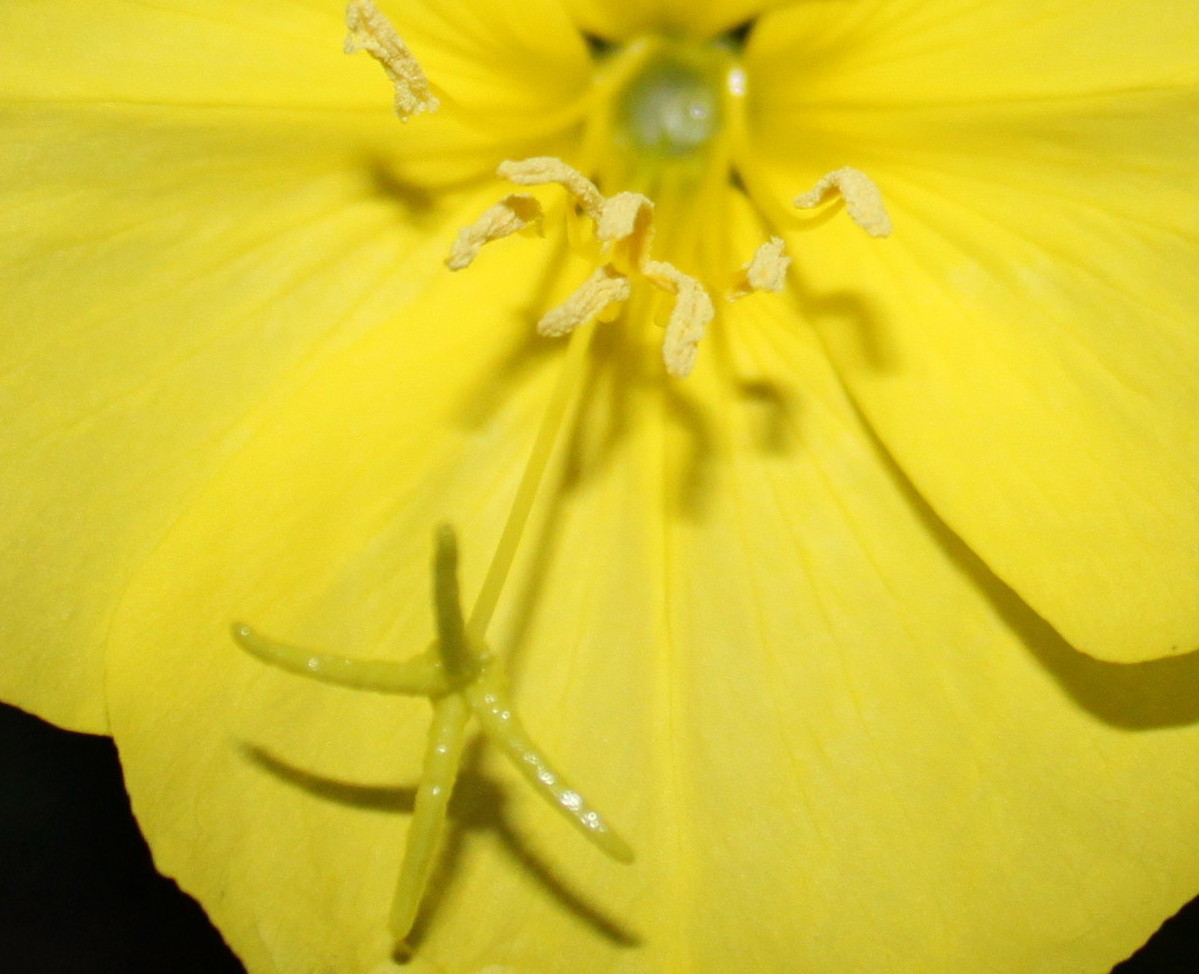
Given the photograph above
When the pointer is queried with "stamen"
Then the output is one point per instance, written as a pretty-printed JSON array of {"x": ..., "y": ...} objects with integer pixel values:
[
  {"x": 624, "y": 223},
  {"x": 543, "y": 170},
  {"x": 766, "y": 271},
  {"x": 627, "y": 216},
  {"x": 863, "y": 199},
  {"x": 516, "y": 212},
  {"x": 372, "y": 32},
  {"x": 688, "y": 319},
  {"x": 590, "y": 301}
]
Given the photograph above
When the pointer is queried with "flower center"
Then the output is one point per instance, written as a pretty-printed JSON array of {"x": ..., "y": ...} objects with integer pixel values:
[
  {"x": 670, "y": 108},
  {"x": 663, "y": 113}
]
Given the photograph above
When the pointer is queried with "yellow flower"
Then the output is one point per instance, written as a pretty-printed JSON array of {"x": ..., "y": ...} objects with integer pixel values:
[{"x": 808, "y": 624}]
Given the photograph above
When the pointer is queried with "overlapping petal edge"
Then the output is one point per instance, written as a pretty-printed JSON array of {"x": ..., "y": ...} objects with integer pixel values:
[{"x": 1025, "y": 348}]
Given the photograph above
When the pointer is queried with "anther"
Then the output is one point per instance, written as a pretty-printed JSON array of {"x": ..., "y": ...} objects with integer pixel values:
[
  {"x": 372, "y": 32},
  {"x": 624, "y": 224},
  {"x": 627, "y": 219},
  {"x": 689, "y": 317},
  {"x": 626, "y": 215},
  {"x": 512, "y": 214},
  {"x": 543, "y": 170},
  {"x": 591, "y": 300},
  {"x": 766, "y": 271},
  {"x": 863, "y": 199}
]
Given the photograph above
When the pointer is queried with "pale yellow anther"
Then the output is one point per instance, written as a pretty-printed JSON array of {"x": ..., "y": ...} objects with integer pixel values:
[
  {"x": 766, "y": 271},
  {"x": 370, "y": 31},
  {"x": 863, "y": 200},
  {"x": 623, "y": 215},
  {"x": 544, "y": 170},
  {"x": 689, "y": 317},
  {"x": 512, "y": 214},
  {"x": 624, "y": 225},
  {"x": 591, "y": 300}
]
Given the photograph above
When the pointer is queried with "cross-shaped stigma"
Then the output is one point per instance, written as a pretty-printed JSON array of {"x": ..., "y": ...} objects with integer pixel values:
[{"x": 460, "y": 678}]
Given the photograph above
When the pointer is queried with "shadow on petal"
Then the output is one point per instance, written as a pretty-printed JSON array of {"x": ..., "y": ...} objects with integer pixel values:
[
  {"x": 415, "y": 202},
  {"x": 693, "y": 483},
  {"x": 1134, "y": 696},
  {"x": 383, "y": 798},
  {"x": 478, "y": 804},
  {"x": 864, "y": 328},
  {"x": 774, "y": 409}
]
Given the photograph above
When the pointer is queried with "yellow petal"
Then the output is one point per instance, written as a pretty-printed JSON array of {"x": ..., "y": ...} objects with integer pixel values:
[
  {"x": 1024, "y": 344},
  {"x": 836, "y": 742},
  {"x": 489, "y": 65},
  {"x": 276, "y": 53},
  {"x": 282, "y": 52},
  {"x": 160, "y": 271},
  {"x": 865, "y": 54}
]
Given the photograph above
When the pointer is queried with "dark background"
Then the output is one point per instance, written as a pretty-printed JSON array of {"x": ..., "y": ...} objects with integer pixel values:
[{"x": 78, "y": 894}]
